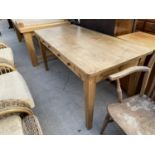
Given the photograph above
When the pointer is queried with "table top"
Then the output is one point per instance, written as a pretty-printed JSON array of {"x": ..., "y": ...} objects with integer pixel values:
[
  {"x": 90, "y": 51},
  {"x": 140, "y": 38},
  {"x": 25, "y": 25}
]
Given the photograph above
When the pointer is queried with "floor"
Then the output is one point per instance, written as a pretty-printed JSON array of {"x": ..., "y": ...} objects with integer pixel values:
[{"x": 58, "y": 93}]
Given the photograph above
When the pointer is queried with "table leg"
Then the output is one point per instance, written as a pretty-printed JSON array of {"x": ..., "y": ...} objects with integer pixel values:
[
  {"x": 90, "y": 92},
  {"x": 44, "y": 55},
  {"x": 19, "y": 35},
  {"x": 29, "y": 43}
]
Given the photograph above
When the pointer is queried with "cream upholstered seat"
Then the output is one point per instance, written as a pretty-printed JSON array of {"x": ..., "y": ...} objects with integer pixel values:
[
  {"x": 14, "y": 87},
  {"x": 16, "y": 125},
  {"x": 7, "y": 54}
]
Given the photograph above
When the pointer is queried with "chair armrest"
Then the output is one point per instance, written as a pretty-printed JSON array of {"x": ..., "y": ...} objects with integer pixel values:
[
  {"x": 128, "y": 71},
  {"x": 14, "y": 106}
]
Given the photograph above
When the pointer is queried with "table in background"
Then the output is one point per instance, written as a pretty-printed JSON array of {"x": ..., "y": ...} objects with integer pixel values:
[
  {"x": 142, "y": 39},
  {"x": 92, "y": 56},
  {"x": 26, "y": 27}
]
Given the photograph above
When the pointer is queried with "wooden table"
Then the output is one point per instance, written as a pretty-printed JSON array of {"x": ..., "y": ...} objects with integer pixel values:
[
  {"x": 92, "y": 56},
  {"x": 145, "y": 40},
  {"x": 26, "y": 27}
]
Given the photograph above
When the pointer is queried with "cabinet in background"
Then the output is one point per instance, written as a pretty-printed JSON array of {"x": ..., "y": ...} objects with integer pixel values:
[
  {"x": 146, "y": 25},
  {"x": 112, "y": 27}
]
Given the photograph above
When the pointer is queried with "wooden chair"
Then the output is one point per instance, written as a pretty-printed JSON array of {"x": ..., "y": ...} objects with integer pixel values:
[{"x": 135, "y": 115}]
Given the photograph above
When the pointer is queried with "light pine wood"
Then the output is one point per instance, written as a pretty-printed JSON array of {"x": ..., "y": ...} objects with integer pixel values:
[
  {"x": 105, "y": 123},
  {"x": 134, "y": 79},
  {"x": 26, "y": 27},
  {"x": 128, "y": 71},
  {"x": 90, "y": 55},
  {"x": 135, "y": 115},
  {"x": 147, "y": 75},
  {"x": 44, "y": 55},
  {"x": 119, "y": 91},
  {"x": 90, "y": 90},
  {"x": 31, "y": 49},
  {"x": 29, "y": 25},
  {"x": 98, "y": 51},
  {"x": 140, "y": 38},
  {"x": 18, "y": 34}
]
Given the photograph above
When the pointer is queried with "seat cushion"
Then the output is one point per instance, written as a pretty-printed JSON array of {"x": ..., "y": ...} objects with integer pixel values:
[
  {"x": 11, "y": 125},
  {"x": 13, "y": 86},
  {"x": 6, "y": 53},
  {"x": 136, "y": 115}
]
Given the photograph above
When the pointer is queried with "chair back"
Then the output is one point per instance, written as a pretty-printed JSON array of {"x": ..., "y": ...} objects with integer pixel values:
[{"x": 151, "y": 92}]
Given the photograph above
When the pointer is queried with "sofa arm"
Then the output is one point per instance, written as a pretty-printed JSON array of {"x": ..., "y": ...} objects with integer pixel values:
[
  {"x": 6, "y": 66},
  {"x": 2, "y": 45},
  {"x": 13, "y": 106}
]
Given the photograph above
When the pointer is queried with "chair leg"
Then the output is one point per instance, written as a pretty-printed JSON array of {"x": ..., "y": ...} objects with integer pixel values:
[{"x": 105, "y": 123}]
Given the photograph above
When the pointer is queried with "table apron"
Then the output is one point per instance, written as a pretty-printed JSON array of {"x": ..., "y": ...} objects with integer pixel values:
[
  {"x": 104, "y": 75},
  {"x": 68, "y": 63}
]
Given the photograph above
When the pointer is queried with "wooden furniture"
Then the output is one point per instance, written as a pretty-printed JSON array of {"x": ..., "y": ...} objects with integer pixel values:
[
  {"x": 112, "y": 27},
  {"x": 135, "y": 115},
  {"x": 92, "y": 56},
  {"x": 26, "y": 28},
  {"x": 145, "y": 40},
  {"x": 146, "y": 25}
]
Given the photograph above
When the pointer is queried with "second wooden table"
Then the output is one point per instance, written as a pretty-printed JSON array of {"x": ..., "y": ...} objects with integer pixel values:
[
  {"x": 145, "y": 40},
  {"x": 26, "y": 28},
  {"x": 92, "y": 56}
]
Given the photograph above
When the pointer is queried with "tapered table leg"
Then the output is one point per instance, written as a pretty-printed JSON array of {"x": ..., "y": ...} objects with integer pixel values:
[
  {"x": 90, "y": 92},
  {"x": 29, "y": 43},
  {"x": 44, "y": 55},
  {"x": 19, "y": 35}
]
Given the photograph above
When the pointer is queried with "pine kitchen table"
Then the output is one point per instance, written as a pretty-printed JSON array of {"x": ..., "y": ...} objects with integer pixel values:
[
  {"x": 26, "y": 27},
  {"x": 92, "y": 56}
]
